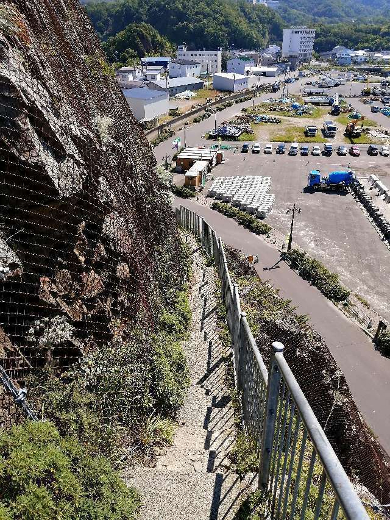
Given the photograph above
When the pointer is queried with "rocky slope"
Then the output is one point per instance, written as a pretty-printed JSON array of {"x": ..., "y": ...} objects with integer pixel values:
[{"x": 88, "y": 246}]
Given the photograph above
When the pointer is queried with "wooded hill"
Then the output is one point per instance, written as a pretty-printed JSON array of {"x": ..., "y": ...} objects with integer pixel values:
[{"x": 212, "y": 24}]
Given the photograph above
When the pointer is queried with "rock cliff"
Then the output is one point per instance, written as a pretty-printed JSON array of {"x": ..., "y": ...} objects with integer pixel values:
[{"x": 88, "y": 245}]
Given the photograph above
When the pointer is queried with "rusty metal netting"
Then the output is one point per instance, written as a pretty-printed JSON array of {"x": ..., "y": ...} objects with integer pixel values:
[{"x": 87, "y": 238}]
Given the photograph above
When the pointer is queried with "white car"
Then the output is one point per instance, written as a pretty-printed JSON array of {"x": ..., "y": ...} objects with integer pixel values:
[
  {"x": 268, "y": 148},
  {"x": 385, "y": 151},
  {"x": 316, "y": 150},
  {"x": 256, "y": 148}
]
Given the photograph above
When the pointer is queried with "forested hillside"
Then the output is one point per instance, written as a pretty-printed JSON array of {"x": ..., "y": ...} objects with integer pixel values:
[
  {"x": 352, "y": 35},
  {"x": 332, "y": 11},
  {"x": 217, "y": 23}
]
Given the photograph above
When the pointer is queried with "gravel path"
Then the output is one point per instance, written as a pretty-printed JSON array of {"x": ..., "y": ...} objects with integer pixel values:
[{"x": 192, "y": 479}]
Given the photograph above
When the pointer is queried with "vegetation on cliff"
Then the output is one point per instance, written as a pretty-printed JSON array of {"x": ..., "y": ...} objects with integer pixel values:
[{"x": 95, "y": 291}]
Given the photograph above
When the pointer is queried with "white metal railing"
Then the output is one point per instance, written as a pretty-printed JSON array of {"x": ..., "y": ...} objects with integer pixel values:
[{"x": 299, "y": 471}]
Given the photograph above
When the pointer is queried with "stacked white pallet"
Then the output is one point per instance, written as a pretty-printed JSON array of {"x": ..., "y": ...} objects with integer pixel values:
[{"x": 248, "y": 193}]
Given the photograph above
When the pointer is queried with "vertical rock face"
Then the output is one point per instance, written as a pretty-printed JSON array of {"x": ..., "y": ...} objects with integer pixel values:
[{"x": 87, "y": 238}]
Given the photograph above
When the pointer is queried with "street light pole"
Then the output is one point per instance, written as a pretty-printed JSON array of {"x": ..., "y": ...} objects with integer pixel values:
[{"x": 290, "y": 238}]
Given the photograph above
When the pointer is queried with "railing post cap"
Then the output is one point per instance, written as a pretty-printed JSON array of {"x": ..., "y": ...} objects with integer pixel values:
[{"x": 277, "y": 346}]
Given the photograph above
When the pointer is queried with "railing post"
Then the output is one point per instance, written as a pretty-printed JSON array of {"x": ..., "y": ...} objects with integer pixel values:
[{"x": 270, "y": 416}]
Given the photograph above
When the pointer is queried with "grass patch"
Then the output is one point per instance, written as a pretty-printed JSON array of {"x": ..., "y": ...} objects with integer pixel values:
[
  {"x": 245, "y": 220},
  {"x": 363, "y": 139},
  {"x": 264, "y": 108},
  {"x": 317, "y": 274},
  {"x": 247, "y": 137},
  {"x": 296, "y": 135},
  {"x": 205, "y": 93},
  {"x": 343, "y": 119},
  {"x": 362, "y": 300}
]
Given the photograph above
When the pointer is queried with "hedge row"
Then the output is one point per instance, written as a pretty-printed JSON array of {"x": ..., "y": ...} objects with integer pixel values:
[
  {"x": 317, "y": 274},
  {"x": 248, "y": 221},
  {"x": 181, "y": 191}
]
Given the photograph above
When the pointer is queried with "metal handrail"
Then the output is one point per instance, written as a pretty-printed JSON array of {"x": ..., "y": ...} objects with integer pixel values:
[
  {"x": 339, "y": 480},
  {"x": 268, "y": 406}
]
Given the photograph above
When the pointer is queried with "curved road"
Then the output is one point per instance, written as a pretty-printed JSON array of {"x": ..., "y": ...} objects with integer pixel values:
[{"x": 366, "y": 371}]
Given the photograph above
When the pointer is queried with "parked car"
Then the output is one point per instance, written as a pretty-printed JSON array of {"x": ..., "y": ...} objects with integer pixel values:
[
  {"x": 385, "y": 151},
  {"x": 256, "y": 148},
  {"x": 342, "y": 150},
  {"x": 316, "y": 150},
  {"x": 281, "y": 148},
  {"x": 245, "y": 148},
  {"x": 304, "y": 150},
  {"x": 268, "y": 148},
  {"x": 375, "y": 109},
  {"x": 294, "y": 149},
  {"x": 354, "y": 150},
  {"x": 328, "y": 149},
  {"x": 372, "y": 150}
]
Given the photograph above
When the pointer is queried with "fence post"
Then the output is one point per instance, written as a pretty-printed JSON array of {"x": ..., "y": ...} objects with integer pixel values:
[{"x": 270, "y": 417}]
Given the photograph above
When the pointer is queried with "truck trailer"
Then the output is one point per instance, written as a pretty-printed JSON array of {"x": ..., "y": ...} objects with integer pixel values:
[{"x": 338, "y": 180}]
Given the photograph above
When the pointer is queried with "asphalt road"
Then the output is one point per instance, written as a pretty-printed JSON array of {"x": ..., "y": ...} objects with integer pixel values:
[{"x": 366, "y": 371}]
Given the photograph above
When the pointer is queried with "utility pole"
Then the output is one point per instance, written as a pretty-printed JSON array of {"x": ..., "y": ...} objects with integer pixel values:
[{"x": 294, "y": 209}]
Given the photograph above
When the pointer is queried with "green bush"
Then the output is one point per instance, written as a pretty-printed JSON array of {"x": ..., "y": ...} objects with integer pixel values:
[
  {"x": 183, "y": 192},
  {"x": 244, "y": 219},
  {"x": 45, "y": 476},
  {"x": 383, "y": 342},
  {"x": 316, "y": 273}
]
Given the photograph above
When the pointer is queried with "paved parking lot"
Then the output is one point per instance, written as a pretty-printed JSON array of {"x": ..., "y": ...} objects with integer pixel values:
[{"x": 331, "y": 227}]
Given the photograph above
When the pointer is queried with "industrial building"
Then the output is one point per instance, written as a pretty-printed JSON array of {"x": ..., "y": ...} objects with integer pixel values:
[
  {"x": 211, "y": 61},
  {"x": 147, "y": 104},
  {"x": 298, "y": 43}
]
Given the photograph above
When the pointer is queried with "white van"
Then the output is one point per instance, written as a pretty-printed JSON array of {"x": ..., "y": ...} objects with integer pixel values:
[{"x": 294, "y": 149}]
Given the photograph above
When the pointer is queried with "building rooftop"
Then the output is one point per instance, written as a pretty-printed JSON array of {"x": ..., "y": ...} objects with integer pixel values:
[
  {"x": 177, "y": 82},
  {"x": 142, "y": 93},
  {"x": 230, "y": 75},
  {"x": 185, "y": 62},
  {"x": 152, "y": 59}
]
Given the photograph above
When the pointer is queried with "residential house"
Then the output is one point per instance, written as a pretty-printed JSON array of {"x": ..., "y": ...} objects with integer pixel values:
[{"x": 128, "y": 77}]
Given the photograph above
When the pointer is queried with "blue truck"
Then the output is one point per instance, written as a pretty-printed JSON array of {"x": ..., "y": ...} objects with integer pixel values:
[{"x": 334, "y": 181}]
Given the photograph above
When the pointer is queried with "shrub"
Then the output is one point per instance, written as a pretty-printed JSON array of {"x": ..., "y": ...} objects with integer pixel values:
[
  {"x": 383, "y": 342},
  {"x": 183, "y": 192},
  {"x": 316, "y": 273},
  {"x": 46, "y": 476},
  {"x": 244, "y": 219}
]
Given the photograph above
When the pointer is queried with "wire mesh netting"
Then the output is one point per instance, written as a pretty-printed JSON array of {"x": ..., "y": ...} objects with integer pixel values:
[{"x": 88, "y": 244}]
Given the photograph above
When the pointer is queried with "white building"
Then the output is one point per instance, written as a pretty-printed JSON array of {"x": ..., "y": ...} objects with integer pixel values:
[
  {"x": 298, "y": 43},
  {"x": 184, "y": 69},
  {"x": 240, "y": 65},
  {"x": 177, "y": 85},
  {"x": 128, "y": 76},
  {"x": 147, "y": 104},
  {"x": 211, "y": 61},
  {"x": 269, "y": 72},
  {"x": 230, "y": 82},
  {"x": 359, "y": 56}
]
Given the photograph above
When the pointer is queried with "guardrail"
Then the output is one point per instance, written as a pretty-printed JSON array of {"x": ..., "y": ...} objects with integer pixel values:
[{"x": 299, "y": 471}]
